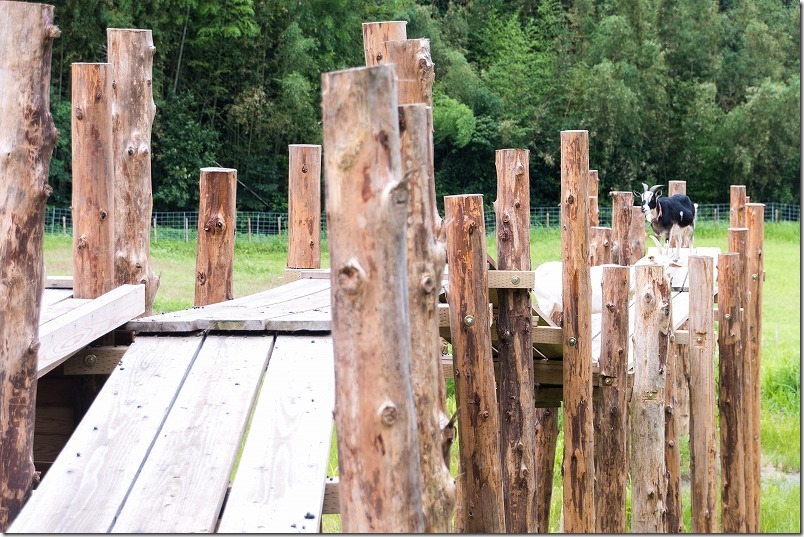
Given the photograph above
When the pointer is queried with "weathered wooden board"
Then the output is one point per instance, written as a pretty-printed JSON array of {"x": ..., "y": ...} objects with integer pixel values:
[
  {"x": 58, "y": 308},
  {"x": 59, "y": 282},
  {"x": 182, "y": 483},
  {"x": 302, "y": 305},
  {"x": 279, "y": 486},
  {"x": 53, "y": 296},
  {"x": 88, "y": 483},
  {"x": 62, "y": 336}
]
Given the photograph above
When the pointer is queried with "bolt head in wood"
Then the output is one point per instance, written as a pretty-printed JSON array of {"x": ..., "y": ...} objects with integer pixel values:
[
  {"x": 572, "y": 341},
  {"x": 608, "y": 381},
  {"x": 727, "y": 316},
  {"x": 699, "y": 339},
  {"x": 90, "y": 360},
  {"x": 515, "y": 280},
  {"x": 754, "y": 276},
  {"x": 650, "y": 395},
  {"x": 469, "y": 320}
]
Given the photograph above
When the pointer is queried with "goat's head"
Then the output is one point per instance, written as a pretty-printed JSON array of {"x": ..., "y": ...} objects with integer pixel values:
[{"x": 649, "y": 197}]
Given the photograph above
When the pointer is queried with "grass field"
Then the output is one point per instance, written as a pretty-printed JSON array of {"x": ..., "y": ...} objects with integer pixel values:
[{"x": 260, "y": 265}]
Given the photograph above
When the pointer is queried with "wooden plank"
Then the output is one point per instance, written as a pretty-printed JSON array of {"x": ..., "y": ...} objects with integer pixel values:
[
  {"x": 332, "y": 497},
  {"x": 62, "y": 307},
  {"x": 94, "y": 360},
  {"x": 64, "y": 335},
  {"x": 182, "y": 483},
  {"x": 279, "y": 486},
  {"x": 53, "y": 296},
  {"x": 512, "y": 279},
  {"x": 59, "y": 282},
  {"x": 85, "y": 487}
]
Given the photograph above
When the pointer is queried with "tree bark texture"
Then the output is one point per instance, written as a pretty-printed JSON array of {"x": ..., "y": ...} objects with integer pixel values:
[
  {"x": 730, "y": 396},
  {"x": 600, "y": 245},
  {"x": 637, "y": 235},
  {"x": 648, "y": 480},
  {"x": 621, "y": 203},
  {"x": 414, "y": 70},
  {"x": 27, "y": 137},
  {"x": 546, "y": 431},
  {"x": 673, "y": 518},
  {"x": 738, "y": 243},
  {"x": 93, "y": 180},
  {"x": 214, "y": 262},
  {"x": 594, "y": 209},
  {"x": 611, "y": 412},
  {"x": 367, "y": 208},
  {"x": 375, "y": 34},
  {"x": 737, "y": 203},
  {"x": 515, "y": 338},
  {"x": 426, "y": 259},
  {"x": 478, "y": 416},
  {"x": 131, "y": 54},
  {"x": 579, "y": 456},
  {"x": 703, "y": 441},
  {"x": 304, "y": 206},
  {"x": 755, "y": 220}
]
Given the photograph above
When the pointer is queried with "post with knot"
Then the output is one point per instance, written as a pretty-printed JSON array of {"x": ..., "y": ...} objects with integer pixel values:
[
  {"x": 304, "y": 208},
  {"x": 214, "y": 263}
]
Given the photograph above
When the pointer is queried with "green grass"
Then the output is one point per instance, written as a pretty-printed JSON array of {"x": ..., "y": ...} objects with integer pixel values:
[{"x": 260, "y": 265}]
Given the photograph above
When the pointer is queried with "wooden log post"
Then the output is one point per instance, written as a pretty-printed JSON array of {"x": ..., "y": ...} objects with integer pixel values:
[
  {"x": 93, "y": 180},
  {"x": 579, "y": 456},
  {"x": 600, "y": 246},
  {"x": 515, "y": 337},
  {"x": 648, "y": 479},
  {"x": 546, "y": 439},
  {"x": 380, "y": 475},
  {"x": 414, "y": 70},
  {"x": 426, "y": 258},
  {"x": 478, "y": 416},
  {"x": 730, "y": 404},
  {"x": 611, "y": 412},
  {"x": 738, "y": 243},
  {"x": 673, "y": 515},
  {"x": 594, "y": 209},
  {"x": 131, "y": 54},
  {"x": 703, "y": 441},
  {"x": 375, "y": 34},
  {"x": 304, "y": 207},
  {"x": 637, "y": 235},
  {"x": 214, "y": 262},
  {"x": 27, "y": 137},
  {"x": 737, "y": 201},
  {"x": 755, "y": 220},
  {"x": 681, "y": 388},
  {"x": 621, "y": 203},
  {"x": 673, "y": 188}
]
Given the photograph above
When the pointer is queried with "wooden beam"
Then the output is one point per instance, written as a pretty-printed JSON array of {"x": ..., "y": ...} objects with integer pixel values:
[
  {"x": 94, "y": 360},
  {"x": 482, "y": 504},
  {"x": 366, "y": 221},
  {"x": 304, "y": 207},
  {"x": 579, "y": 469},
  {"x": 27, "y": 138},
  {"x": 59, "y": 282},
  {"x": 93, "y": 180},
  {"x": 512, "y": 279}
]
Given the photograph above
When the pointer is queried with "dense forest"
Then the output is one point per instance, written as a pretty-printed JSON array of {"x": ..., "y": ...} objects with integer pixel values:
[{"x": 706, "y": 91}]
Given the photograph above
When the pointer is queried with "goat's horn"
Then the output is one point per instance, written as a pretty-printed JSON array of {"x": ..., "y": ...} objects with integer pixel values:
[
  {"x": 656, "y": 241},
  {"x": 654, "y": 188}
]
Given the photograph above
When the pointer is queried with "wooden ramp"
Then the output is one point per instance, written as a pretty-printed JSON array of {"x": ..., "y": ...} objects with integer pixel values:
[{"x": 158, "y": 450}]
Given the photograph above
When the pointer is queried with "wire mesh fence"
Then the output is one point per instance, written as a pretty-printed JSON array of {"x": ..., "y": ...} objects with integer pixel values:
[{"x": 255, "y": 225}]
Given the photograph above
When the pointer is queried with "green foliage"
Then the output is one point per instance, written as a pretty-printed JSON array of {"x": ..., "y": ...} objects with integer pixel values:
[{"x": 452, "y": 120}]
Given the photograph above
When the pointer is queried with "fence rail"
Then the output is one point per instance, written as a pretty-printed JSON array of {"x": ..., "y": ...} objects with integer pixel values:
[{"x": 259, "y": 225}]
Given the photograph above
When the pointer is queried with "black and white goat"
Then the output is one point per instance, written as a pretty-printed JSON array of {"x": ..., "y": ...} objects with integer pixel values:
[{"x": 673, "y": 216}]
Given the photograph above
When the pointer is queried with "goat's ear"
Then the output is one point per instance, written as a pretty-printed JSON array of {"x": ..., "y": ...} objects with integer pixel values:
[{"x": 644, "y": 187}]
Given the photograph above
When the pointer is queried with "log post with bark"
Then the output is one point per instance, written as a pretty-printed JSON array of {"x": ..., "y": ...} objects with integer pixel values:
[
  {"x": 673, "y": 517},
  {"x": 600, "y": 246},
  {"x": 621, "y": 203},
  {"x": 93, "y": 180},
  {"x": 426, "y": 259},
  {"x": 131, "y": 54},
  {"x": 304, "y": 206},
  {"x": 414, "y": 70},
  {"x": 515, "y": 338},
  {"x": 594, "y": 208},
  {"x": 214, "y": 260},
  {"x": 579, "y": 456},
  {"x": 482, "y": 504},
  {"x": 637, "y": 235},
  {"x": 375, "y": 34},
  {"x": 27, "y": 138},
  {"x": 737, "y": 203},
  {"x": 681, "y": 387},
  {"x": 380, "y": 474}
]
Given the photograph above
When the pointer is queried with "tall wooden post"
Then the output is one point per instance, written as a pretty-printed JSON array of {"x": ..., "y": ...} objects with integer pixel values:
[
  {"x": 755, "y": 219},
  {"x": 682, "y": 365},
  {"x": 426, "y": 259},
  {"x": 414, "y": 70},
  {"x": 651, "y": 319},
  {"x": 546, "y": 439},
  {"x": 637, "y": 235},
  {"x": 515, "y": 338},
  {"x": 214, "y": 262},
  {"x": 600, "y": 246},
  {"x": 482, "y": 504},
  {"x": 304, "y": 206},
  {"x": 380, "y": 475},
  {"x": 27, "y": 137},
  {"x": 674, "y": 513},
  {"x": 737, "y": 201},
  {"x": 93, "y": 180},
  {"x": 131, "y": 54},
  {"x": 611, "y": 412},
  {"x": 594, "y": 209},
  {"x": 730, "y": 395},
  {"x": 703, "y": 442},
  {"x": 377, "y": 33},
  {"x": 673, "y": 188},
  {"x": 579, "y": 456},
  {"x": 621, "y": 203}
]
